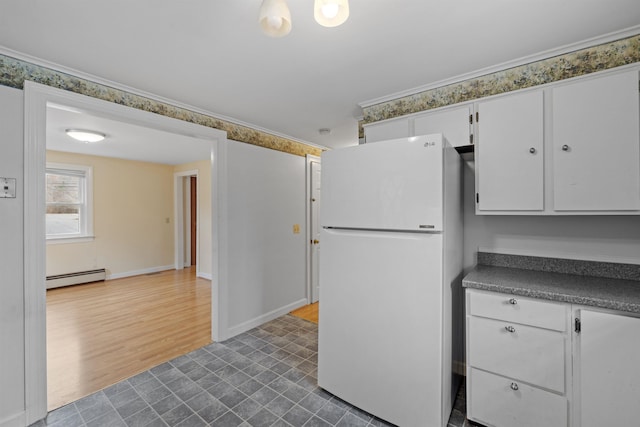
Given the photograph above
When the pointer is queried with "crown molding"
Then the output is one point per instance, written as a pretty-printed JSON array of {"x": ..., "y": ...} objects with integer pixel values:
[
  {"x": 118, "y": 86},
  {"x": 594, "y": 41}
]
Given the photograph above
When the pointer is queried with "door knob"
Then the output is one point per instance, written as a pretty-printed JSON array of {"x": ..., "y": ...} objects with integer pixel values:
[
  {"x": 532, "y": 150},
  {"x": 315, "y": 241},
  {"x": 565, "y": 147}
]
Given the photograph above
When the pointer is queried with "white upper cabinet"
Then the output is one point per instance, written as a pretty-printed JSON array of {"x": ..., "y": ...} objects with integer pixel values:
[
  {"x": 570, "y": 148},
  {"x": 452, "y": 123},
  {"x": 510, "y": 153},
  {"x": 392, "y": 129},
  {"x": 596, "y": 144}
]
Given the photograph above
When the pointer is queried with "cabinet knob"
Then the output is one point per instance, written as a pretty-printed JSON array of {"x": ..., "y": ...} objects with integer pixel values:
[
  {"x": 513, "y": 301},
  {"x": 565, "y": 147},
  {"x": 514, "y": 386},
  {"x": 532, "y": 150},
  {"x": 510, "y": 329}
]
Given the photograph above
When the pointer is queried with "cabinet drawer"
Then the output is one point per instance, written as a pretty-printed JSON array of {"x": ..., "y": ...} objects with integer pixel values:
[
  {"x": 492, "y": 401},
  {"x": 517, "y": 309},
  {"x": 526, "y": 353}
]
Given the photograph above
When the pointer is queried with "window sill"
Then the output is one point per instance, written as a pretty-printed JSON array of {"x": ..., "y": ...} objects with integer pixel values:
[{"x": 64, "y": 240}]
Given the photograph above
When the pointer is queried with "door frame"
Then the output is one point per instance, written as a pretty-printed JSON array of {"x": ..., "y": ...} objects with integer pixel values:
[
  {"x": 308, "y": 159},
  {"x": 181, "y": 220},
  {"x": 37, "y": 97}
]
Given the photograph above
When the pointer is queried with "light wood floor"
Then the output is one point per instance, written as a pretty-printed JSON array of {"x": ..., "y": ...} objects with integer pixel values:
[
  {"x": 308, "y": 312},
  {"x": 101, "y": 333}
]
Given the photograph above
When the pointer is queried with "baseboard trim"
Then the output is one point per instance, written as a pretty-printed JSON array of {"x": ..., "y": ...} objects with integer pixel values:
[
  {"x": 257, "y": 321},
  {"x": 19, "y": 420},
  {"x": 140, "y": 272},
  {"x": 204, "y": 275}
]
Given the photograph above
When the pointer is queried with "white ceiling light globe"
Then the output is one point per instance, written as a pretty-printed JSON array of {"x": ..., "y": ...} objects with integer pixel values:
[
  {"x": 330, "y": 10},
  {"x": 331, "y": 13},
  {"x": 275, "y": 18}
]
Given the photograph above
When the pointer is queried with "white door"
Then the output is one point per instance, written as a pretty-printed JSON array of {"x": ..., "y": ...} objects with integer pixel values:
[
  {"x": 509, "y": 153},
  {"x": 315, "y": 230},
  {"x": 596, "y": 155},
  {"x": 609, "y": 377}
]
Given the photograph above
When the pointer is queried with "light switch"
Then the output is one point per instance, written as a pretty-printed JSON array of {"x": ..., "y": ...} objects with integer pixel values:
[
  {"x": 8, "y": 188},
  {"x": 296, "y": 228}
]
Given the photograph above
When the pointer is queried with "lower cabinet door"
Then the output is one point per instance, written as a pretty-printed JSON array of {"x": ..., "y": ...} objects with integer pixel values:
[
  {"x": 498, "y": 401},
  {"x": 609, "y": 351}
]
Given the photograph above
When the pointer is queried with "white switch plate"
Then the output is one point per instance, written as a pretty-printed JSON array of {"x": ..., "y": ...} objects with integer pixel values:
[{"x": 7, "y": 188}]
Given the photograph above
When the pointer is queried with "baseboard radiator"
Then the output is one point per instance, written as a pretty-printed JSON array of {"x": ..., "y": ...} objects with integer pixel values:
[{"x": 78, "y": 278}]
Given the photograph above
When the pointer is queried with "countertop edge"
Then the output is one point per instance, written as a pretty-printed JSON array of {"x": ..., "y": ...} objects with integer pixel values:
[{"x": 604, "y": 293}]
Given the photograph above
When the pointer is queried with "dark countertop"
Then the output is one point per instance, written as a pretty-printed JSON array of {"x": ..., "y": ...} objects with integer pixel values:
[{"x": 605, "y": 292}]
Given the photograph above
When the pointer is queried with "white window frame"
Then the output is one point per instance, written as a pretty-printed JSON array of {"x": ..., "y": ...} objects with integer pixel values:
[{"x": 86, "y": 217}]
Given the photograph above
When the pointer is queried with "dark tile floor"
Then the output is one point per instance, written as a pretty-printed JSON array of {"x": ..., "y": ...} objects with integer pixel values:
[{"x": 264, "y": 377}]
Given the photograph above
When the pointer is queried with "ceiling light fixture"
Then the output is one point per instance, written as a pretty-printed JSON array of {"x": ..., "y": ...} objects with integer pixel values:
[
  {"x": 85, "y": 135},
  {"x": 331, "y": 13},
  {"x": 275, "y": 18}
]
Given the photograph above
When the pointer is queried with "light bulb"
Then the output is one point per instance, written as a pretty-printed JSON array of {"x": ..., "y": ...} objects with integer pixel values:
[
  {"x": 330, "y": 10},
  {"x": 274, "y": 22},
  {"x": 331, "y": 13}
]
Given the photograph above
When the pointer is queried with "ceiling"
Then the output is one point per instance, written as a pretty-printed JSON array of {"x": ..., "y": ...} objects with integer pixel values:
[
  {"x": 211, "y": 54},
  {"x": 123, "y": 140}
]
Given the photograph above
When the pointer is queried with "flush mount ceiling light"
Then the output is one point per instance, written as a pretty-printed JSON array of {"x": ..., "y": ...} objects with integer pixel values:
[
  {"x": 85, "y": 135},
  {"x": 331, "y": 13},
  {"x": 275, "y": 18}
]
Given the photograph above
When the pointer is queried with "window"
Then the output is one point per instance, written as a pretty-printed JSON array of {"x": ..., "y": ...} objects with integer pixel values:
[{"x": 69, "y": 202}]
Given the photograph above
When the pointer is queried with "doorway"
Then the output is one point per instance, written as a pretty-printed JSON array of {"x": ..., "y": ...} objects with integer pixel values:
[
  {"x": 186, "y": 209},
  {"x": 37, "y": 99},
  {"x": 193, "y": 219}
]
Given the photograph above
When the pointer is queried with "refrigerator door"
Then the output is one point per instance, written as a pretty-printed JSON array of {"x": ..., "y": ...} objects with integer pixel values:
[
  {"x": 380, "y": 331},
  {"x": 389, "y": 185}
]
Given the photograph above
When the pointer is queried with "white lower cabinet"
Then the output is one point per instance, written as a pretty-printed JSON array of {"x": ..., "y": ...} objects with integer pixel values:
[
  {"x": 607, "y": 352},
  {"x": 518, "y": 361},
  {"x": 534, "y": 362}
]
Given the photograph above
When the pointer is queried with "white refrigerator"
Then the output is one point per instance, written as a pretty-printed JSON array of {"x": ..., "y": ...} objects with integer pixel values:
[{"x": 390, "y": 278}]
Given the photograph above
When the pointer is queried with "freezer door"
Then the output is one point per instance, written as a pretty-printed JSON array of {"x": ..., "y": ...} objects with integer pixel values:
[
  {"x": 380, "y": 331},
  {"x": 389, "y": 185}
]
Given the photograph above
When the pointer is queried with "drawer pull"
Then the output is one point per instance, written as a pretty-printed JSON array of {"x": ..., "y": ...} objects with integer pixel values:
[
  {"x": 514, "y": 386},
  {"x": 510, "y": 329},
  {"x": 513, "y": 301}
]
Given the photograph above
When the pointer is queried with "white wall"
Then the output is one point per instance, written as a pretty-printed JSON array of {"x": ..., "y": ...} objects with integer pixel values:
[
  {"x": 132, "y": 202},
  {"x": 12, "y": 403},
  {"x": 266, "y": 197},
  {"x": 603, "y": 238}
]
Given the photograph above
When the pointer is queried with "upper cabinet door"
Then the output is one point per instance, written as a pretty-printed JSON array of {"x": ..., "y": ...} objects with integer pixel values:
[
  {"x": 596, "y": 144},
  {"x": 452, "y": 123},
  {"x": 509, "y": 153},
  {"x": 392, "y": 129}
]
